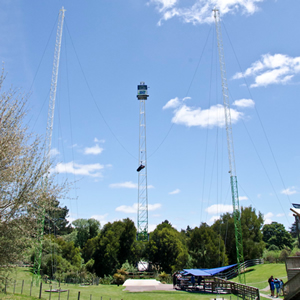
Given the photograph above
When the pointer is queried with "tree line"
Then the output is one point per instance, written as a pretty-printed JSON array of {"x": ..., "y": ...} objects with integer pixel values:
[
  {"x": 84, "y": 247},
  {"x": 87, "y": 248}
]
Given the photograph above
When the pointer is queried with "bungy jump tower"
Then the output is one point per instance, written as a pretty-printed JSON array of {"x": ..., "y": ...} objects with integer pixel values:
[{"x": 142, "y": 213}]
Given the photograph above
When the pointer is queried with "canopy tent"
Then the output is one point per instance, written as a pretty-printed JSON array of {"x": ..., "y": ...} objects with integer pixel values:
[{"x": 206, "y": 272}]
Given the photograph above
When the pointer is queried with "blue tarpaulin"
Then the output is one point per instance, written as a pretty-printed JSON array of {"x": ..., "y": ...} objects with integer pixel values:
[{"x": 206, "y": 272}]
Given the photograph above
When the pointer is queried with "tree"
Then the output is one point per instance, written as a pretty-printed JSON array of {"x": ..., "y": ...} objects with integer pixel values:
[
  {"x": 86, "y": 229},
  {"x": 225, "y": 228},
  {"x": 112, "y": 247},
  {"x": 22, "y": 171},
  {"x": 253, "y": 244},
  {"x": 166, "y": 249},
  {"x": 276, "y": 234},
  {"x": 251, "y": 224},
  {"x": 56, "y": 220},
  {"x": 207, "y": 248}
]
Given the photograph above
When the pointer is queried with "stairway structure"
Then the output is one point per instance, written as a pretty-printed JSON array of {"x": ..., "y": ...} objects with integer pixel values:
[{"x": 291, "y": 289}]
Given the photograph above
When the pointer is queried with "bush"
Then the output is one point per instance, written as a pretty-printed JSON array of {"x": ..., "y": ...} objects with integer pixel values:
[
  {"x": 164, "y": 277},
  {"x": 119, "y": 278},
  {"x": 271, "y": 256},
  {"x": 284, "y": 254},
  {"x": 273, "y": 248},
  {"x": 128, "y": 267},
  {"x": 106, "y": 280}
]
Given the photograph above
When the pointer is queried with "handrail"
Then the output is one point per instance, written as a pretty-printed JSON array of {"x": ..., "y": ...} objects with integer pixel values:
[{"x": 248, "y": 263}]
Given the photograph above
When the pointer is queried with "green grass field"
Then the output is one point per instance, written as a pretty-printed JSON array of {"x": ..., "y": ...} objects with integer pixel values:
[{"x": 256, "y": 276}]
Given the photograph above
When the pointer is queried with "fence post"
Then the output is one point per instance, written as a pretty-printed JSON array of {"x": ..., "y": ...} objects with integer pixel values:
[
  {"x": 78, "y": 295},
  {"x": 14, "y": 287},
  {"x": 91, "y": 297},
  {"x": 22, "y": 286},
  {"x": 41, "y": 286},
  {"x": 31, "y": 287},
  {"x": 68, "y": 294},
  {"x": 5, "y": 286},
  {"x": 50, "y": 292},
  {"x": 59, "y": 294}
]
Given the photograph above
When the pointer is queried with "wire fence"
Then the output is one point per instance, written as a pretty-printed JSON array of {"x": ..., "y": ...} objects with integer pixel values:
[{"x": 55, "y": 290}]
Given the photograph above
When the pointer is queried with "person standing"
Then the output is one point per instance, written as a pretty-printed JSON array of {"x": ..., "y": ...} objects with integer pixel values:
[
  {"x": 277, "y": 286},
  {"x": 174, "y": 279},
  {"x": 269, "y": 281},
  {"x": 193, "y": 280},
  {"x": 272, "y": 287},
  {"x": 281, "y": 286}
]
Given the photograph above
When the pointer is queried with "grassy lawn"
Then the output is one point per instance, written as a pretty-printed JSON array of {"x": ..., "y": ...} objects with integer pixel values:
[{"x": 256, "y": 276}]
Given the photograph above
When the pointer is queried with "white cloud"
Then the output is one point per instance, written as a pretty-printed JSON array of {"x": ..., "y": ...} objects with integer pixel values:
[
  {"x": 54, "y": 152},
  {"x": 177, "y": 191},
  {"x": 151, "y": 227},
  {"x": 133, "y": 209},
  {"x": 242, "y": 198},
  {"x": 98, "y": 141},
  {"x": 174, "y": 103},
  {"x": 213, "y": 219},
  {"x": 100, "y": 218},
  {"x": 244, "y": 103},
  {"x": 78, "y": 169},
  {"x": 272, "y": 69},
  {"x": 268, "y": 218},
  {"x": 279, "y": 215},
  {"x": 127, "y": 185},
  {"x": 200, "y": 11},
  {"x": 93, "y": 150},
  {"x": 190, "y": 116},
  {"x": 289, "y": 191},
  {"x": 219, "y": 209}
]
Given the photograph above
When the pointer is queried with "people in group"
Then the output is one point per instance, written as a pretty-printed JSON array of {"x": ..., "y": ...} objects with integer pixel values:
[{"x": 275, "y": 284}]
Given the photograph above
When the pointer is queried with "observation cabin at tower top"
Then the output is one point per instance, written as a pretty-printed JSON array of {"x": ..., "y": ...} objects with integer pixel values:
[{"x": 142, "y": 91}]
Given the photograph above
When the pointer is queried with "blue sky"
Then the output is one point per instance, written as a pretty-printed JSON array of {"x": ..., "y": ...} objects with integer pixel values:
[{"x": 108, "y": 48}]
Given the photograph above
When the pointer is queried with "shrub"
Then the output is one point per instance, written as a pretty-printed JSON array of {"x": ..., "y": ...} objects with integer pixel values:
[
  {"x": 273, "y": 248},
  {"x": 106, "y": 280},
  {"x": 128, "y": 267},
  {"x": 164, "y": 277},
  {"x": 119, "y": 278}
]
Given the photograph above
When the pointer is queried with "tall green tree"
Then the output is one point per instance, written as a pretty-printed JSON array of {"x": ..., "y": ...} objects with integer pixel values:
[
  {"x": 85, "y": 229},
  {"x": 207, "y": 248},
  {"x": 276, "y": 234},
  {"x": 225, "y": 228},
  {"x": 112, "y": 247},
  {"x": 166, "y": 249},
  {"x": 56, "y": 220},
  {"x": 251, "y": 224}
]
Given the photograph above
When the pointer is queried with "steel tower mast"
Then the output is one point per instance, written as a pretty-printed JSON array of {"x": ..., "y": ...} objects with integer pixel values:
[
  {"x": 142, "y": 213},
  {"x": 232, "y": 170},
  {"x": 41, "y": 218}
]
